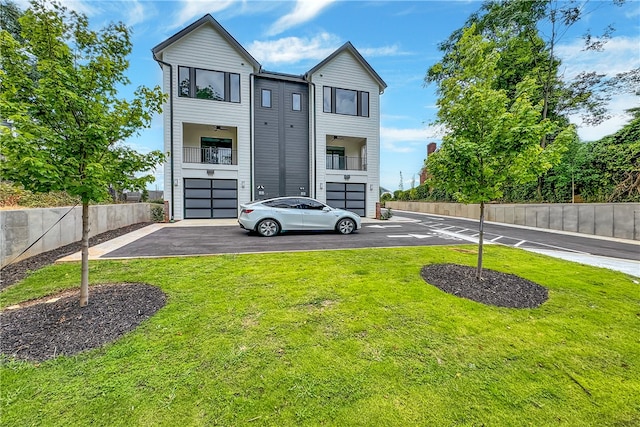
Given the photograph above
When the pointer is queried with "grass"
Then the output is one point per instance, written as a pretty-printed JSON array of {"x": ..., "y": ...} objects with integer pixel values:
[{"x": 345, "y": 338}]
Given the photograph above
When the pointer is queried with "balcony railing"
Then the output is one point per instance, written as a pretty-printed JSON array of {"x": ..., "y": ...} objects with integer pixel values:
[
  {"x": 209, "y": 155},
  {"x": 345, "y": 163}
]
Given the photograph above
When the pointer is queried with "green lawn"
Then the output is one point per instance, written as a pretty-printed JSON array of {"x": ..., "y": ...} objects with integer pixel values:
[{"x": 352, "y": 337}]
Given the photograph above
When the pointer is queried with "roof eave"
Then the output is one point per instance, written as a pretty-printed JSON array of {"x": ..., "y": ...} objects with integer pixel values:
[
  {"x": 349, "y": 47},
  {"x": 207, "y": 19}
]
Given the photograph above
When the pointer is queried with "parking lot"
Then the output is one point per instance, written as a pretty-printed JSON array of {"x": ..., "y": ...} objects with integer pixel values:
[{"x": 199, "y": 240}]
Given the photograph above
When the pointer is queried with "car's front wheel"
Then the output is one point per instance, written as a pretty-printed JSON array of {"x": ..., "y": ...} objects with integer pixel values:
[
  {"x": 268, "y": 228},
  {"x": 346, "y": 226}
]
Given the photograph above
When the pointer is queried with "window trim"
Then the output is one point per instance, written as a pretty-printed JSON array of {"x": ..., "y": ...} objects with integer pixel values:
[
  {"x": 227, "y": 84},
  {"x": 360, "y": 94},
  {"x": 293, "y": 104},
  {"x": 262, "y": 98}
]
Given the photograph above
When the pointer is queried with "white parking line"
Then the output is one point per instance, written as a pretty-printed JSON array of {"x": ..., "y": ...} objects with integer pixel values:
[
  {"x": 493, "y": 240},
  {"x": 456, "y": 235},
  {"x": 519, "y": 243}
]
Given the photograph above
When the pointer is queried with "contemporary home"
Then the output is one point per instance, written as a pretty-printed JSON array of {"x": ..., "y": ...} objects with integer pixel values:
[{"x": 235, "y": 132}]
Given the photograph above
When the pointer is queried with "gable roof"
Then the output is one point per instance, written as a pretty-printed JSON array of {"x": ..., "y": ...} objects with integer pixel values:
[
  {"x": 348, "y": 47},
  {"x": 208, "y": 19}
]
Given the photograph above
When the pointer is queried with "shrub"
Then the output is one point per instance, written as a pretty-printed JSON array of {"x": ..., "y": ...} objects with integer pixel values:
[
  {"x": 12, "y": 195},
  {"x": 157, "y": 212}
]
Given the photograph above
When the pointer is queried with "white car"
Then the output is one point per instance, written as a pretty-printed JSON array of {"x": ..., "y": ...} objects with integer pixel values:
[{"x": 272, "y": 216}]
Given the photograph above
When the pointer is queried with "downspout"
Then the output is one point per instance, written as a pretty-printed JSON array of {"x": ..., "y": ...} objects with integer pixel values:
[
  {"x": 312, "y": 114},
  {"x": 251, "y": 137},
  {"x": 171, "y": 218}
]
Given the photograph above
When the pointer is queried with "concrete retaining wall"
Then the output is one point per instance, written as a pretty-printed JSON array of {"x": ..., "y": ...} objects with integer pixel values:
[
  {"x": 21, "y": 227},
  {"x": 620, "y": 220}
]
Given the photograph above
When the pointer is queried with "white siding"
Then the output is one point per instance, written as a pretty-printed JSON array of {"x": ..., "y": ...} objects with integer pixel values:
[
  {"x": 206, "y": 48},
  {"x": 345, "y": 72}
]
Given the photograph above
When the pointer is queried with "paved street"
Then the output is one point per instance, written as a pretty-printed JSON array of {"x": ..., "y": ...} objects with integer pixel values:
[{"x": 528, "y": 238}]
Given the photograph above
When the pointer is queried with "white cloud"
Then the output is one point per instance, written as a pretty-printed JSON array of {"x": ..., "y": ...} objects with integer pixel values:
[
  {"x": 294, "y": 49},
  {"x": 619, "y": 118},
  {"x": 137, "y": 12},
  {"x": 288, "y": 50},
  {"x": 190, "y": 9},
  {"x": 393, "y": 50},
  {"x": 304, "y": 10},
  {"x": 620, "y": 54},
  {"x": 408, "y": 140}
]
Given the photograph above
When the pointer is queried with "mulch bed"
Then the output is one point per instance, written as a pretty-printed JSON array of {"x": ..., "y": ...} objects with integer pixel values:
[
  {"x": 39, "y": 330},
  {"x": 495, "y": 288},
  {"x": 56, "y": 325},
  {"x": 17, "y": 271}
]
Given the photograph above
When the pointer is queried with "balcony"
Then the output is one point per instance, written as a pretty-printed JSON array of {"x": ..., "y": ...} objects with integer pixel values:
[
  {"x": 210, "y": 155},
  {"x": 345, "y": 163}
]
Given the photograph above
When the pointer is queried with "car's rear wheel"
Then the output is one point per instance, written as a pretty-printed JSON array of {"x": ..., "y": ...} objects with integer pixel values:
[
  {"x": 268, "y": 228},
  {"x": 346, "y": 226}
]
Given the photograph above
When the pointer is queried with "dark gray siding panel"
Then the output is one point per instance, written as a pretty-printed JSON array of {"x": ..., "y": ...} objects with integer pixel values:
[
  {"x": 267, "y": 140},
  {"x": 296, "y": 132},
  {"x": 281, "y": 157}
]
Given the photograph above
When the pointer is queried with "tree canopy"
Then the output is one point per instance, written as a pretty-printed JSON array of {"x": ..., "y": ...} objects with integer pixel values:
[
  {"x": 515, "y": 27},
  {"x": 59, "y": 94}
]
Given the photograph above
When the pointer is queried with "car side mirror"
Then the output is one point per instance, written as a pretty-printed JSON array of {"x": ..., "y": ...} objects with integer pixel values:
[{"x": 326, "y": 209}]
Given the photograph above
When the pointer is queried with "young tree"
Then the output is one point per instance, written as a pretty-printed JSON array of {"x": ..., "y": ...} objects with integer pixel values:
[
  {"x": 67, "y": 122},
  {"x": 491, "y": 139}
]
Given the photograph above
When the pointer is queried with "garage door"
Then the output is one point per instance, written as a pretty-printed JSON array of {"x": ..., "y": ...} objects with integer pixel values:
[
  {"x": 210, "y": 198},
  {"x": 347, "y": 196}
]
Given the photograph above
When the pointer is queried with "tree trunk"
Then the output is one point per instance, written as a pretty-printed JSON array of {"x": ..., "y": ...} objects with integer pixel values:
[
  {"x": 480, "y": 241},
  {"x": 84, "y": 283}
]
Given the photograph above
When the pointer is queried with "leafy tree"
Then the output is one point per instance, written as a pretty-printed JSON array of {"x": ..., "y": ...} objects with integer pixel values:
[
  {"x": 491, "y": 139},
  {"x": 67, "y": 120},
  {"x": 9, "y": 19},
  {"x": 527, "y": 51},
  {"x": 615, "y": 162}
]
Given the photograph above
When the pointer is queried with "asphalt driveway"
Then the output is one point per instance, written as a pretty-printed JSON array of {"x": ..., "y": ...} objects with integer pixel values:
[{"x": 200, "y": 240}]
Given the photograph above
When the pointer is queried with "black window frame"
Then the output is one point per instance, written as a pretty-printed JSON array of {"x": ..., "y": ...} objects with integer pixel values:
[
  {"x": 190, "y": 91},
  {"x": 361, "y": 111}
]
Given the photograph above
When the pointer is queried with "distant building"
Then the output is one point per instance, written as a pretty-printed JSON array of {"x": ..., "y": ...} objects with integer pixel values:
[{"x": 431, "y": 148}]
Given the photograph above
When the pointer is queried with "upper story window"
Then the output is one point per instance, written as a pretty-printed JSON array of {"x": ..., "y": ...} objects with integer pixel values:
[
  {"x": 265, "y": 98},
  {"x": 296, "y": 102},
  {"x": 208, "y": 84},
  {"x": 345, "y": 101}
]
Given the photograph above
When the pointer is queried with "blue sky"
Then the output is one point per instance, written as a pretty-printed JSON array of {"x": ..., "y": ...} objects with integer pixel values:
[{"x": 398, "y": 38}]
